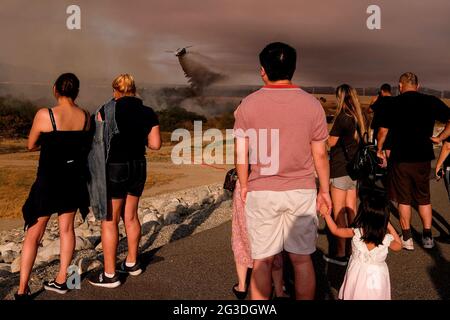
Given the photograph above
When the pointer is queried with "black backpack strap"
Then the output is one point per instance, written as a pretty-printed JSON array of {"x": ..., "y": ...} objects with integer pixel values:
[{"x": 52, "y": 118}]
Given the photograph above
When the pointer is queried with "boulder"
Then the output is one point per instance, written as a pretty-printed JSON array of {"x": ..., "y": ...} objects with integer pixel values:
[
  {"x": 46, "y": 242},
  {"x": 96, "y": 264},
  {"x": 170, "y": 217},
  {"x": 99, "y": 247},
  {"x": 195, "y": 206},
  {"x": 5, "y": 267},
  {"x": 9, "y": 256},
  {"x": 204, "y": 196},
  {"x": 10, "y": 246},
  {"x": 84, "y": 232},
  {"x": 88, "y": 264},
  {"x": 95, "y": 240},
  {"x": 49, "y": 253},
  {"x": 158, "y": 204},
  {"x": 151, "y": 216},
  {"x": 83, "y": 244},
  {"x": 15, "y": 266}
]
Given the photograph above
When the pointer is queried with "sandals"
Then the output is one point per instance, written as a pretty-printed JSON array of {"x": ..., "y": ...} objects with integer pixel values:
[{"x": 240, "y": 295}]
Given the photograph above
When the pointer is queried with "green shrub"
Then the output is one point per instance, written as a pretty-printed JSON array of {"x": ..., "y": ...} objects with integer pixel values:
[
  {"x": 16, "y": 117},
  {"x": 176, "y": 117}
]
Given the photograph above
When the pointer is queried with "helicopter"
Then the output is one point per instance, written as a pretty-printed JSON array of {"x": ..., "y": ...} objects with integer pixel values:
[{"x": 180, "y": 51}]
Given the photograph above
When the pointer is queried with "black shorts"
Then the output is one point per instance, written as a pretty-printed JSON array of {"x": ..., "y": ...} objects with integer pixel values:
[
  {"x": 126, "y": 178},
  {"x": 409, "y": 183}
]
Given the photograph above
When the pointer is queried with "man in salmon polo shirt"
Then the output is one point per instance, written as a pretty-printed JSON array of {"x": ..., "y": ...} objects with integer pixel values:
[{"x": 281, "y": 131}]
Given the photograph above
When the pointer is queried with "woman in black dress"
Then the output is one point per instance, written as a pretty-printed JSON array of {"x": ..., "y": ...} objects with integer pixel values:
[{"x": 60, "y": 186}]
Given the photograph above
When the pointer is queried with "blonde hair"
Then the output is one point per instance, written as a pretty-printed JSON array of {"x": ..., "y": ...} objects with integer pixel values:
[
  {"x": 124, "y": 84},
  {"x": 409, "y": 78},
  {"x": 348, "y": 102}
]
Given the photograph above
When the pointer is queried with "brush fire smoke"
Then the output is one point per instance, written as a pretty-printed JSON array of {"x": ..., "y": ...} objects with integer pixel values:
[{"x": 199, "y": 75}]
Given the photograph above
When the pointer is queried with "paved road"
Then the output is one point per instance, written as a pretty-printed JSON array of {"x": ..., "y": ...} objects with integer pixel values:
[{"x": 201, "y": 267}]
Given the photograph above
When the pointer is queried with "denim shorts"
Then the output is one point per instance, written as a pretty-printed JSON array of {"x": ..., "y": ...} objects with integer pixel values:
[
  {"x": 344, "y": 183},
  {"x": 126, "y": 178}
]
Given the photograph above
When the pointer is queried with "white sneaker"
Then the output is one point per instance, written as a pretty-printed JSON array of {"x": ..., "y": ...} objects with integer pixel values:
[
  {"x": 428, "y": 242},
  {"x": 408, "y": 244}
]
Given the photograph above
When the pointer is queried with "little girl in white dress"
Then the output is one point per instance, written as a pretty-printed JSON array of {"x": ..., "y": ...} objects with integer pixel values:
[{"x": 367, "y": 276}]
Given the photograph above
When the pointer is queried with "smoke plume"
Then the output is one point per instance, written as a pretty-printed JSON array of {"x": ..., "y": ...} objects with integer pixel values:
[{"x": 199, "y": 75}]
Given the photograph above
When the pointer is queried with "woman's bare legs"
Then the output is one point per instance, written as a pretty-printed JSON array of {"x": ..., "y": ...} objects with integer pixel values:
[
  {"x": 350, "y": 207},
  {"x": 241, "y": 271},
  {"x": 110, "y": 235},
  {"x": 339, "y": 198},
  {"x": 132, "y": 227},
  {"x": 29, "y": 251},
  {"x": 67, "y": 241}
]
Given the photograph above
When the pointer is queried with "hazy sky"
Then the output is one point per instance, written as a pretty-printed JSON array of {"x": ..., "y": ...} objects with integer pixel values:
[{"x": 331, "y": 37}]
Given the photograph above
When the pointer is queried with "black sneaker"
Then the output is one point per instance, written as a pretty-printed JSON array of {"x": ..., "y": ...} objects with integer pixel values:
[
  {"x": 340, "y": 261},
  {"x": 24, "y": 296},
  {"x": 99, "y": 279},
  {"x": 134, "y": 270},
  {"x": 56, "y": 287}
]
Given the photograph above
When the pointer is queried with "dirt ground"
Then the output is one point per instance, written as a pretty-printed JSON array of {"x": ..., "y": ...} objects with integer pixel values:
[{"x": 18, "y": 170}]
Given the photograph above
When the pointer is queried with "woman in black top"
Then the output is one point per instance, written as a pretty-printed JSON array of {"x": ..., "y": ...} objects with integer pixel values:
[
  {"x": 343, "y": 141},
  {"x": 60, "y": 187},
  {"x": 126, "y": 171}
]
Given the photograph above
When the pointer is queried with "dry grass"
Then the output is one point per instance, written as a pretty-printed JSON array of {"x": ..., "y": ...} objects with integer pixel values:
[
  {"x": 159, "y": 179},
  {"x": 15, "y": 183},
  {"x": 12, "y": 145}
]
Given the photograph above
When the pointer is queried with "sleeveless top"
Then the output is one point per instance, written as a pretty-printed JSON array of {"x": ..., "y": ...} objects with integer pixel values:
[{"x": 61, "y": 183}]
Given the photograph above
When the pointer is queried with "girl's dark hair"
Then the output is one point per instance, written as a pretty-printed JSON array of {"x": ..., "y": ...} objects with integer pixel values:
[
  {"x": 372, "y": 219},
  {"x": 68, "y": 85}
]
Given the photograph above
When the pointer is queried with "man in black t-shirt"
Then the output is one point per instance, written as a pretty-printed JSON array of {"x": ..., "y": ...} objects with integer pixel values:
[
  {"x": 379, "y": 108},
  {"x": 410, "y": 122}
]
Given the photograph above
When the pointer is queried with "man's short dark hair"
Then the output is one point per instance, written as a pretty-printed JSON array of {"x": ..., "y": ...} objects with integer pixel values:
[
  {"x": 409, "y": 78},
  {"x": 279, "y": 60},
  {"x": 386, "y": 88}
]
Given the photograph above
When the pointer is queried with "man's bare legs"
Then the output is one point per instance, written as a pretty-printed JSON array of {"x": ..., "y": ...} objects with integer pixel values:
[
  {"x": 405, "y": 216},
  {"x": 426, "y": 214},
  {"x": 261, "y": 280},
  {"x": 305, "y": 277}
]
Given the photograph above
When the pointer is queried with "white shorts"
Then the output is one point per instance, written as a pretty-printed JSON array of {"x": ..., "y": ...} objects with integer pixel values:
[{"x": 278, "y": 220}]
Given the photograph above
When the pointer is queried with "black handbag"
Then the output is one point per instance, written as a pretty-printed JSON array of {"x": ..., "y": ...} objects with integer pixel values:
[
  {"x": 365, "y": 162},
  {"x": 230, "y": 180}
]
